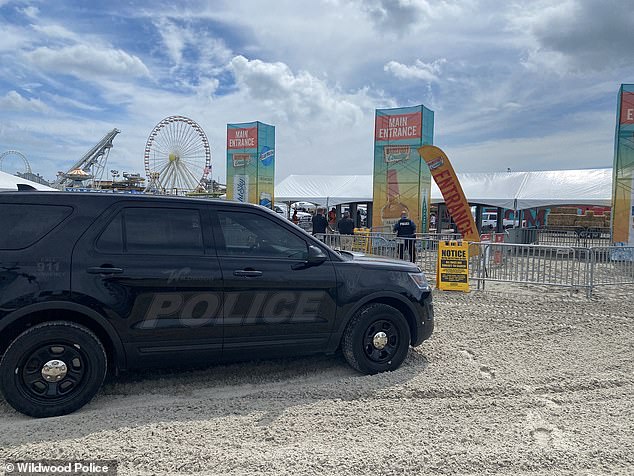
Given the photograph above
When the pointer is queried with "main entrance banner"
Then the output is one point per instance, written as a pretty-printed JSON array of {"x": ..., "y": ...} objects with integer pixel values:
[
  {"x": 402, "y": 182},
  {"x": 623, "y": 170},
  {"x": 251, "y": 163}
]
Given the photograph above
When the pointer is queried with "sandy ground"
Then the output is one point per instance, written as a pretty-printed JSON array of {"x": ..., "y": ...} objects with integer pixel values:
[{"x": 512, "y": 382}]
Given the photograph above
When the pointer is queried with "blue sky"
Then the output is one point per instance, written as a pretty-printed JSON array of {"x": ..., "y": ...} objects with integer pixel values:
[{"x": 529, "y": 85}]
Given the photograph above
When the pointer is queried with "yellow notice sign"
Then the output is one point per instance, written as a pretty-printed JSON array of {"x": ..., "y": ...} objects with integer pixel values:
[{"x": 453, "y": 266}]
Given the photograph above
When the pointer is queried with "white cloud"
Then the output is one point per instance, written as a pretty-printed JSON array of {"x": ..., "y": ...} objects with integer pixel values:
[
  {"x": 69, "y": 102},
  {"x": 419, "y": 70},
  {"x": 30, "y": 11},
  {"x": 401, "y": 15},
  {"x": 14, "y": 38},
  {"x": 178, "y": 35},
  {"x": 195, "y": 55},
  {"x": 394, "y": 14},
  {"x": 13, "y": 101},
  {"x": 297, "y": 96},
  {"x": 576, "y": 36},
  {"x": 56, "y": 32},
  {"x": 174, "y": 38},
  {"x": 85, "y": 61}
]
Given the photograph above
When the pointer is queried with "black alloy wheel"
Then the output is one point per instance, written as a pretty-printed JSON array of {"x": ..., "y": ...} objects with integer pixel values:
[
  {"x": 381, "y": 341},
  {"x": 376, "y": 339},
  {"x": 52, "y": 369}
]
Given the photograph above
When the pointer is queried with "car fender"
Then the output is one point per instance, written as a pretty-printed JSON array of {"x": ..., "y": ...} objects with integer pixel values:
[
  {"x": 337, "y": 332},
  {"x": 100, "y": 320}
]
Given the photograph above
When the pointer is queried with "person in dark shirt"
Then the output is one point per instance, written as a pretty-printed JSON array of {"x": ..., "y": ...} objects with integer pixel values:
[
  {"x": 406, "y": 230},
  {"x": 319, "y": 222},
  {"x": 346, "y": 225}
]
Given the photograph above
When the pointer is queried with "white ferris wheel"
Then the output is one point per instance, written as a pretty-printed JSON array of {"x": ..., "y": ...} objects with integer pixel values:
[
  {"x": 177, "y": 157},
  {"x": 12, "y": 159}
]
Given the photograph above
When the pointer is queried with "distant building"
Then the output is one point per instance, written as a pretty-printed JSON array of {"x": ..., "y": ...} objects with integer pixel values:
[
  {"x": 37, "y": 178},
  {"x": 130, "y": 182}
]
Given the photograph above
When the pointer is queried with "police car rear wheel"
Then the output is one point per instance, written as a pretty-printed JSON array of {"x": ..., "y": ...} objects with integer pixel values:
[
  {"x": 376, "y": 340},
  {"x": 52, "y": 369}
]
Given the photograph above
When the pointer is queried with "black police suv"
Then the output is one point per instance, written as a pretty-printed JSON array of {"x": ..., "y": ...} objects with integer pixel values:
[{"x": 92, "y": 283}]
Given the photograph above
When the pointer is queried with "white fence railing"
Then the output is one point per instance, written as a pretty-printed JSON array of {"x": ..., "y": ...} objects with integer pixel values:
[{"x": 574, "y": 267}]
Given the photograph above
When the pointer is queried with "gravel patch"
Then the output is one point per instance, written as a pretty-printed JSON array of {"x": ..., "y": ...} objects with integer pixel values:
[{"x": 514, "y": 381}]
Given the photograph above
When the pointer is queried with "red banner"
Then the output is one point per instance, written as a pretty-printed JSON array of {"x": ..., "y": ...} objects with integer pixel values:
[
  {"x": 242, "y": 138},
  {"x": 627, "y": 108},
  {"x": 398, "y": 127}
]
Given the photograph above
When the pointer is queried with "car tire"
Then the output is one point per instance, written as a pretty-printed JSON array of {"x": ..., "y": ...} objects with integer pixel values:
[
  {"x": 52, "y": 369},
  {"x": 376, "y": 339}
]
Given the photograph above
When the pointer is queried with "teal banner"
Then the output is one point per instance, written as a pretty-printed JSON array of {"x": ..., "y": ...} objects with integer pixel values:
[{"x": 251, "y": 163}]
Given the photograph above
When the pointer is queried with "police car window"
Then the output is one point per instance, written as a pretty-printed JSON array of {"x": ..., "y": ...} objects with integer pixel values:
[
  {"x": 249, "y": 234},
  {"x": 165, "y": 231},
  {"x": 19, "y": 232},
  {"x": 111, "y": 239}
]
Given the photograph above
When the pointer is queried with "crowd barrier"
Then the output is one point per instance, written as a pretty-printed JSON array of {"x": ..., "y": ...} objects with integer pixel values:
[
  {"x": 574, "y": 267},
  {"x": 564, "y": 266},
  {"x": 574, "y": 236}
]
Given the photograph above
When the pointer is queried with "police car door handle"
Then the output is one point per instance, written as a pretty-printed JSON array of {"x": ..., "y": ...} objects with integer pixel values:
[
  {"x": 104, "y": 270},
  {"x": 249, "y": 273}
]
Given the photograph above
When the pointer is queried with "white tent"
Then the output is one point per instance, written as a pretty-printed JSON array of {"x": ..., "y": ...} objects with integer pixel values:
[
  {"x": 493, "y": 189},
  {"x": 10, "y": 182},
  {"x": 513, "y": 190},
  {"x": 325, "y": 189},
  {"x": 563, "y": 187}
]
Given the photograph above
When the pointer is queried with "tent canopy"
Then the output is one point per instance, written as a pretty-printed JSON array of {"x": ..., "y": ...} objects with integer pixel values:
[
  {"x": 328, "y": 190},
  {"x": 10, "y": 182},
  {"x": 513, "y": 190}
]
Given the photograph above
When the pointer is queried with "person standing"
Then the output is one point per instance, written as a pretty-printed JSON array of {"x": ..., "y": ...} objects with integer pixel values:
[
  {"x": 319, "y": 222},
  {"x": 346, "y": 230},
  {"x": 346, "y": 225},
  {"x": 406, "y": 230},
  {"x": 295, "y": 218},
  {"x": 332, "y": 218}
]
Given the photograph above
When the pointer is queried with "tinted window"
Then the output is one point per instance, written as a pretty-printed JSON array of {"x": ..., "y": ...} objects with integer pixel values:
[
  {"x": 111, "y": 240},
  {"x": 23, "y": 224},
  {"x": 166, "y": 231},
  {"x": 250, "y": 234}
]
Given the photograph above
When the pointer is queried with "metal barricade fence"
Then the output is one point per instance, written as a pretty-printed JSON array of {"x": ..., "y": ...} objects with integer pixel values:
[
  {"x": 612, "y": 265},
  {"x": 369, "y": 243},
  {"x": 333, "y": 241},
  {"x": 531, "y": 264},
  {"x": 570, "y": 267},
  {"x": 557, "y": 237},
  {"x": 573, "y": 236},
  {"x": 390, "y": 246}
]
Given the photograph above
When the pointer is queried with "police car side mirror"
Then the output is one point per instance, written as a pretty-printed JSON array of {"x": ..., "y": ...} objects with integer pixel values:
[{"x": 316, "y": 255}]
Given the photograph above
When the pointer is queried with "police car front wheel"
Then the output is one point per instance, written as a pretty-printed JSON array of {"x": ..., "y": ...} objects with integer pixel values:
[{"x": 376, "y": 339}]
